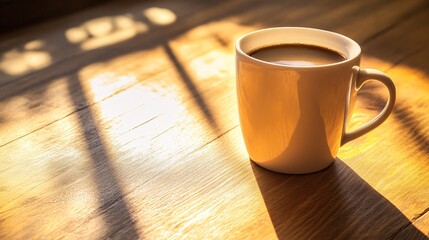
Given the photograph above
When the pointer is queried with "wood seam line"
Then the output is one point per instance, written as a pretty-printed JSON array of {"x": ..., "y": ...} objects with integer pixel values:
[{"x": 420, "y": 215}]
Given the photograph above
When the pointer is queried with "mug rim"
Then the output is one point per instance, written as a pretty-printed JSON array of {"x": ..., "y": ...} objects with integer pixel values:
[{"x": 352, "y": 57}]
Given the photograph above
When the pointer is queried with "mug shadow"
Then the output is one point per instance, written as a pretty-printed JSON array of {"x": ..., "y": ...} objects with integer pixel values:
[{"x": 334, "y": 203}]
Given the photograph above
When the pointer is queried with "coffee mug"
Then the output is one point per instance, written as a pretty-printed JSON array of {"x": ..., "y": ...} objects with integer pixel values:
[{"x": 293, "y": 117}]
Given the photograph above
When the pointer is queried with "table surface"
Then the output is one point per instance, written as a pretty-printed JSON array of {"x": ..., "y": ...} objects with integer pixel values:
[{"x": 120, "y": 122}]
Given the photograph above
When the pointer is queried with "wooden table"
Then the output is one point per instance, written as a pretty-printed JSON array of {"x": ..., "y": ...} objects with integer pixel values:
[{"x": 120, "y": 122}]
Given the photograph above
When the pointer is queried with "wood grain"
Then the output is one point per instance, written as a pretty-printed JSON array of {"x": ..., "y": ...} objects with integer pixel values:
[{"x": 139, "y": 138}]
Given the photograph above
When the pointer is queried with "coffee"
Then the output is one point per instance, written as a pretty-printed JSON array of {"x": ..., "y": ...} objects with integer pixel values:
[{"x": 297, "y": 55}]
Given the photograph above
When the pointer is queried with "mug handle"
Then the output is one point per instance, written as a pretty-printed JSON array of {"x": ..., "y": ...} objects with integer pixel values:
[{"x": 363, "y": 75}]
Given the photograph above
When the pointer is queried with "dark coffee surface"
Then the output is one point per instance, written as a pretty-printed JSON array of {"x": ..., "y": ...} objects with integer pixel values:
[{"x": 297, "y": 55}]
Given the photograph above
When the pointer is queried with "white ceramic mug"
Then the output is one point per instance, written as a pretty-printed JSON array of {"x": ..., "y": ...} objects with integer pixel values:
[{"x": 293, "y": 118}]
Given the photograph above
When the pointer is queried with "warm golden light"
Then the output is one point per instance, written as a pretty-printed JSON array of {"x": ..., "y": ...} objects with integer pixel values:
[
  {"x": 37, "y": 59},
  {"x": 149, "y": 125},
  {"x": 217, "y": 64},
  {"x": 35, "y": 44},
  {"x": 105, "y": 84},
  {"x": 19, "y": 118},
  {"x": 17, "y": 62},
  {"x": 17, "y": 112},
  {"x": 131, "y": 106},
  {"x": 76, "y": 34},
  {"x": 397, "y": 140},
  {"x": 124, "y": 21},
  {"x": 105, "y": 31},
  {"x": 99, "y": 27},
  {"x": 219, "y": 34},
  {"x": 160, "y": 16},
  {"x": 115, "y": 37}
]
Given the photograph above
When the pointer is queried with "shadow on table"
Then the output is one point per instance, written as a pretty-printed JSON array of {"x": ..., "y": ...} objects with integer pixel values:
[
  {"x": 334, "y": 203},
  {"x": 112, "y": 202}
]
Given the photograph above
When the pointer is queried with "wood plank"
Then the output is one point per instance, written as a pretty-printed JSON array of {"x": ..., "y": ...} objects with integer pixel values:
[
  {"x": 143, "y": 151},
  {"x": 334, "y": 203},
  {"x": 35, "y": 99},
  {"x": 39, "y": 100},
  {"x": 139, "y": 33},
  {"x": 375, "y": 22},
  {"x": 44, "y": 107},
  {"x": 421, "y": 222},
  {"x": 410, "y": 37},
  {"x": 399, "y": 174},
  {"x": 145, "y": 141}
]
